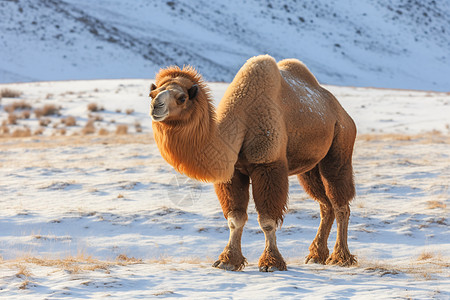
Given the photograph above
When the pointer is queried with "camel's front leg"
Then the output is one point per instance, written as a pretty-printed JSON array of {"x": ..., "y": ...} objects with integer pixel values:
[
  {"x": 231, "y": 258},
  {"x": 233, "y": 197},
  {"x": 270, "y": 190},
  {"x": 271, "y": 259}
]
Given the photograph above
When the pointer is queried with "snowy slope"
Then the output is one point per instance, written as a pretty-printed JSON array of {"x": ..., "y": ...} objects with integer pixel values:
[
  {"x": 95, "y": 216},
  {"x": 382, "y": 43}
]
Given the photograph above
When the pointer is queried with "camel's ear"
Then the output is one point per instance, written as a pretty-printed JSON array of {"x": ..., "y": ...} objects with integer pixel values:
[
  {"x": 152, "y": 87},
  {"x": 193, "y": 91}
]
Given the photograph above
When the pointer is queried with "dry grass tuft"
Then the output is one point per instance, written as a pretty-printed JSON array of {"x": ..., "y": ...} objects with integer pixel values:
[
  {"x": 425, "y": 256},
  {"x": 44, "y": 122},
  {"x": 93, "y": 107},
  {"x": 4, "y": 130},
  {"x": 163, "y": 293},
  {"x": 25, "y": 114},
  {"x": 436, "y": 204},
  {"x": 9, "y": 93},
  {"x": 103, "y": 131},
  {"x": 129, "y": 111},
  {"x": 122, "y": 129},
  {"x": 89, "y": 128},
  {"x": 138, "y": 127},
  {"x": 47, "y": 110},
  {"x": 123, "y": 259},
  {"x": 70, "y": 264},
  {"x": 26, "y": 132},
  {"x": 69, "y": 121},
  {"x": 12, "y": 118},
  {"x": 25, "y": 274},
  {"x": 95, "y": 117},
  {"x": 21, "y": 105},
  {"x": 61, "y": 131},
  {"x": 39, "y": 131}
]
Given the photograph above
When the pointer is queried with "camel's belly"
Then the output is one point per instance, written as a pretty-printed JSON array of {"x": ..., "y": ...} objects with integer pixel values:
[{"x": 300, "y": 167}]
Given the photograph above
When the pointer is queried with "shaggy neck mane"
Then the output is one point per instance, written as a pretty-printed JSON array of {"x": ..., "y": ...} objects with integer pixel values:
[{"x": 192, "y": 145}]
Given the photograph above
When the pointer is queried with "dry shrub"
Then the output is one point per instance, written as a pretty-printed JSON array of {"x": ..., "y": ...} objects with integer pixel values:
[
  {"x": 39, "y": 131},
  {"x": 436, "y": 204},
  {"x": 118, "y": 111},
  {"x": 17, "y": 106},
  {"x": 93, "y": 107},
  {"x": 103, "y": 131},
  {"x": 95, "y": 117},
  {"x": 44, "y": 122},
  {"x": 12, "y": 119},
  {"x": 124, "y": 259},
  {"x": 9, "y": 93},
  {"x": 23, "y": 272},
  {"x": 61, "y": 131},
  {"x": 49, "y": 96},
  {"x": 69, "y": 121},
  {"x": 71, "y": 264},
  {"x": 4, "y": 130},
  {"x": 25, "y": 114},
  {"x": 129, "y": 111},
  {"x": 26, "y": 132},
  {"x": 89, "y": 128},
  {"x": 47, "y": 110},
  {"x": 425, "y": 256},
  {"x": 122, "y": 129},
  {"x": 138, "y": 127}
]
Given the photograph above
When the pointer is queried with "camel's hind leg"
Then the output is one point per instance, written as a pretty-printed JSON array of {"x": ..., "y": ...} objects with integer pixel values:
[
  {"x": 270, "y": 190},
  {"x": 233, "y": 197},
  {"x": 337, "y": 176},
  {"x": 313, "y": 185}
]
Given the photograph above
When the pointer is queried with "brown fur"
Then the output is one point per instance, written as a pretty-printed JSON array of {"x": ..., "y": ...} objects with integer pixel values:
[{"x": 274, "y": 120}]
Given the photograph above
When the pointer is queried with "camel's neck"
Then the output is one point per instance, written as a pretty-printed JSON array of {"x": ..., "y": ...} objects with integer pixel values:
[{"x": 199, "y": 148}]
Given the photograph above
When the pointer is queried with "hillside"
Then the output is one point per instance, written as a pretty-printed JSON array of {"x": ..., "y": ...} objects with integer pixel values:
[{"x": 382, "y": 43}]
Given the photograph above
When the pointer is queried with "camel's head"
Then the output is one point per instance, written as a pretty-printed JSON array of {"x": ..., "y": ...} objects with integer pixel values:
[{"x": 172, "y": 100}]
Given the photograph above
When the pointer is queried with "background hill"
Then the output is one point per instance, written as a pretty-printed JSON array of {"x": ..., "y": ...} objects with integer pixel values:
[{"x": 381, "y": 43}]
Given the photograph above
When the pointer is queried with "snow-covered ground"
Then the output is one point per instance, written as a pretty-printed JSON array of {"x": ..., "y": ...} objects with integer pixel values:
[{"x": 103, "y": 215}]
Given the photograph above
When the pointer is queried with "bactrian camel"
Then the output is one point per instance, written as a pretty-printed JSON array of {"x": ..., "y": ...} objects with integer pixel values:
[{"x": 274, "y": 120}]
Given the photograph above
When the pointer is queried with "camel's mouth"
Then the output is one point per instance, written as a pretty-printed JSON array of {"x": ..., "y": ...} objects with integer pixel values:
[
  {"x": 159, "y": 112},
  {"x": 158, "y": 118}
]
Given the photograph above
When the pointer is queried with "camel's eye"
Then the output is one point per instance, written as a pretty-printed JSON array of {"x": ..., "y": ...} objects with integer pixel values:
[{"x": 181, "y": 99}]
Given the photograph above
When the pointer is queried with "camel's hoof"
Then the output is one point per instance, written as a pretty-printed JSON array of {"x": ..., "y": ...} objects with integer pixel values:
[
  {"x": 269, "y": 269},
  {"x": 312, "y": 260},
  {"x": 343, "y": 262},
  {"x": 224, "y": 266}
]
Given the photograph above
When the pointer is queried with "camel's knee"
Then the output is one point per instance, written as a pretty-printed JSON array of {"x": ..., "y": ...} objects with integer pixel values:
[
  {"x": 341, "y": 212},
  {"x": 236, "y": 219},
  {"x": 267, "y": 224}
]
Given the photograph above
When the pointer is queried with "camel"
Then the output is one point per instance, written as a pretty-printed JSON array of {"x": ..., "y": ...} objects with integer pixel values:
[{"x": 274, "y": 120}]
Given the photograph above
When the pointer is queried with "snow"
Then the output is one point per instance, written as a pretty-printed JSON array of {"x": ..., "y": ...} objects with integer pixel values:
[{"x": 94, "y": 216}]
